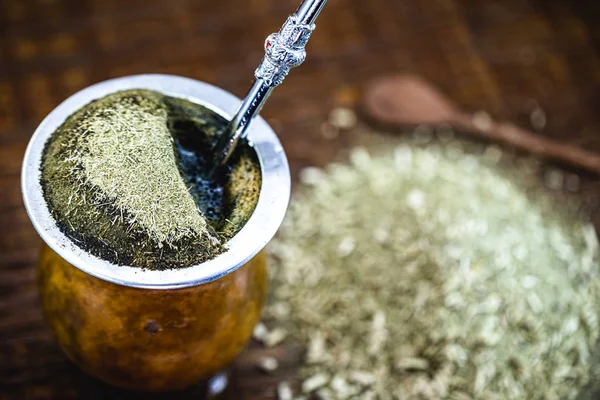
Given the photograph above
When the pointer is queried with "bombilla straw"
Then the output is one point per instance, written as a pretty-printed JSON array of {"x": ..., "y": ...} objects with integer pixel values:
[{"x": 283, "y": 51}]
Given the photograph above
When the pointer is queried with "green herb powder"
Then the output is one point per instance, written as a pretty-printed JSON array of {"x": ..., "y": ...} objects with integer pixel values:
[
  {"x": 123, "y": 179},
  {"x": 432, "y": 273}
]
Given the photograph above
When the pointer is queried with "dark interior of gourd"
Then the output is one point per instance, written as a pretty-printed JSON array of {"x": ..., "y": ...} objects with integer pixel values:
[{"x": 92, "y": 198}]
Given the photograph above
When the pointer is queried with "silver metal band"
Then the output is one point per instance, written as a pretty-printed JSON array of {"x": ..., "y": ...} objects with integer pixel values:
[
  {"x": 260, "y": 228},
  {"x": 283, "y": 51}
]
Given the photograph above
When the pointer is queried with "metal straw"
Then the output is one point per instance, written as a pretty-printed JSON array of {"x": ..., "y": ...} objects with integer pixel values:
[{"x": 283, "y": 51}]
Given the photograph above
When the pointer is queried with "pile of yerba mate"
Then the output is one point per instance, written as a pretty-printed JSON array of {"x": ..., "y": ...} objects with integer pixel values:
[
  {"x": 121, "y": 181},
  {"x": 428, "y": 272}
]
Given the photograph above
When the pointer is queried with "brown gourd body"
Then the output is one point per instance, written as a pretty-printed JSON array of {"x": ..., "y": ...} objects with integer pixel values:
[{"x": 148, "y": 339}]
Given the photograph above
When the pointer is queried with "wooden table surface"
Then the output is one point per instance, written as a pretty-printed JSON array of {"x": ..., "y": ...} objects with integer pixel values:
[{"x": 506, "y": 57}]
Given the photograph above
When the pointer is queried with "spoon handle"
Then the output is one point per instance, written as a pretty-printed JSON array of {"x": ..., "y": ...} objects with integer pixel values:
[
  {"x": 526, "y": 140},
  {"x": 283, "y": 51}
]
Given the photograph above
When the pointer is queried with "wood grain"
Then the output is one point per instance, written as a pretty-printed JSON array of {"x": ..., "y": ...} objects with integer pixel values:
[{"x": 506, "y": 57}]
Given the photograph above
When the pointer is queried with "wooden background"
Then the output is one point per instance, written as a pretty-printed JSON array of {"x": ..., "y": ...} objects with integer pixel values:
[{"x": 506, "y": 57}]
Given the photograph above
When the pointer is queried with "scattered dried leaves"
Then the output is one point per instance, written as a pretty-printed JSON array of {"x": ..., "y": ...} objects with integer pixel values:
[{"x": 428, "y": 272}]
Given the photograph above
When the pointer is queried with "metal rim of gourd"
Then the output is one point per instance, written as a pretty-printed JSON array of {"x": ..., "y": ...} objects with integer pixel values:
[{"x": 253, "y": 237}]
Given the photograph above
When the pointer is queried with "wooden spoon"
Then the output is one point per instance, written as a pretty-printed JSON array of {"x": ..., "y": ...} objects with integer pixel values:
[{"x": 410, "y": 100}]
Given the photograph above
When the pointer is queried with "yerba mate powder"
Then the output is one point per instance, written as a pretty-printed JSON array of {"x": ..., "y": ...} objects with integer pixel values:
[
  {"x": 427, "y": 272},
  {"x": 122, "y": 179}
]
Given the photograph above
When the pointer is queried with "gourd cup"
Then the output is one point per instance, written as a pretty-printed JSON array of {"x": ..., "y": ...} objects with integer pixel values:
[{"x": 156, "y": 330}]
